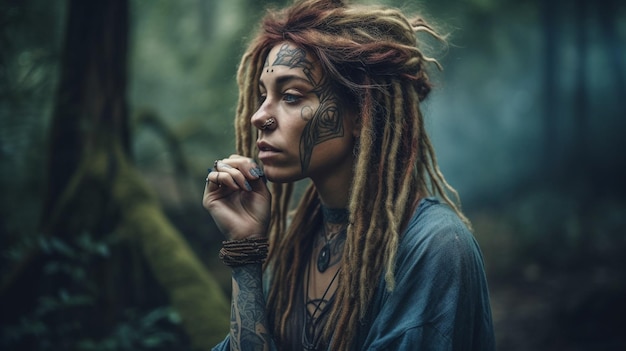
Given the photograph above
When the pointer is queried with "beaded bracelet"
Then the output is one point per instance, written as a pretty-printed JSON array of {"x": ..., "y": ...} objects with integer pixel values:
[{"x": 235, "y": 253}]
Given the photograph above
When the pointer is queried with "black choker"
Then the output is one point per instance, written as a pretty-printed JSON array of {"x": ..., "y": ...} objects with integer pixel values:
[{"x": 335, "y": 215}]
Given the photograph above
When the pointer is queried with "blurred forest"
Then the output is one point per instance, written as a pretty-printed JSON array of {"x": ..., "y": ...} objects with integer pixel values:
[{"x": 111, "y": 112}]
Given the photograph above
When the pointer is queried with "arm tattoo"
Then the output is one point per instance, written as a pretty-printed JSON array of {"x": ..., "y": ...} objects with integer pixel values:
[
  {"x": 327, "y": 122},
  {"x": 248, "y": 321}
]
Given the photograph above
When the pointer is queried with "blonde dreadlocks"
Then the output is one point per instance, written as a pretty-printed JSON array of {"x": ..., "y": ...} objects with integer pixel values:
[{"x": 370, "y": 52}]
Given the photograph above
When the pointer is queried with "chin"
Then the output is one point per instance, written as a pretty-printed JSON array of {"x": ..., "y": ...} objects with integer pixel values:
[{"x": 278, "y": 175}]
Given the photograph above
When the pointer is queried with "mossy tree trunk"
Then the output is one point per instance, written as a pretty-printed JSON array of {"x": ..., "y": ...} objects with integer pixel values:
[{"x": 94, "y": 188}]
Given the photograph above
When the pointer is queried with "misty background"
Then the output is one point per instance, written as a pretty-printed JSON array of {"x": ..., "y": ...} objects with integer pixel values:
[{"x": 527, "y": 119}]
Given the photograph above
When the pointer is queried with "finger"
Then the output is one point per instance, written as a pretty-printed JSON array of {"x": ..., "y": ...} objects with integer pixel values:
[
  {"x": 252, "y": 171},
  {"x": 233, "y": 177},
  {"x": 260, "y": 187},
  {"x": 247, "y": 166},
  {"x": 213, "y": 180}
]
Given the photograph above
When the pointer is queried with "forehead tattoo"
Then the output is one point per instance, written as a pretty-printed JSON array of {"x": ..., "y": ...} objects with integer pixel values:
[{"x": 293, "y": 57}]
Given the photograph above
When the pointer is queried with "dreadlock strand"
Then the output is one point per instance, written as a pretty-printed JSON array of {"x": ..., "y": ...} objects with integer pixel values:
[
  {"x": 253, "y": 97},
  {"x": 353, "y": 251},
  {"x": 407, "y": 195},
  {"x": 392, "y": 185},
  {"x": 377, "y": 226},
  {"x": 407, "y": 192},
  {"x": 243, "y": 127},
  {"x": 343, "y": 318},
  {"x": 242, "y": 104},
  {"x": 365, "y": 144},
  {"x": 293, "y": 250},
  {"x": 455, "y": 201},
  {"x": 363, "y": 259},
  {"x": 283, "y": 203}
]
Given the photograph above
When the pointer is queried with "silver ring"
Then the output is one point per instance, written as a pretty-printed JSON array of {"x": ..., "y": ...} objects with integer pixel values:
[{"x": 270, "y": 121}]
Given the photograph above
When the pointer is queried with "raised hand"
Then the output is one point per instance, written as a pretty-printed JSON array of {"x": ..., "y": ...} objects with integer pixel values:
[{"x": 237, "y": 198}]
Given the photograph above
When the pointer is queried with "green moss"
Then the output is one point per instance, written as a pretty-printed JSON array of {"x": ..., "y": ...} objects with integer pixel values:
[{"x": 194, "y": 292}]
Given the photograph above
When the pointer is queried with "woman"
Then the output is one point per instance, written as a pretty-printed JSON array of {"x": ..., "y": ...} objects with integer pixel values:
[{"x": 376, "y": 255}]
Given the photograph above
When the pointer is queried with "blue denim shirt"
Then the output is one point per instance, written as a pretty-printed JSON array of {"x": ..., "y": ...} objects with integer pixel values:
[{"x": 440, "y": 301}]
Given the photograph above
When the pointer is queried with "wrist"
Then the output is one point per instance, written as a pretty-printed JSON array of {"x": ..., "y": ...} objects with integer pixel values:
[
  {"x": 235, "y": 253},
  {"x": 241, "y": 237}
]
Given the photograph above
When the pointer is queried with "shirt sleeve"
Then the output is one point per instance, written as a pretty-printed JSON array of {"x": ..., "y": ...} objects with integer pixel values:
[{"x": 441, "y": 300}]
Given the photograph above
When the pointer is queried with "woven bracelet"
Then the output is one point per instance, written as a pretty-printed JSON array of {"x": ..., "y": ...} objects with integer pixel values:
[{"x": 236, "y": 253}]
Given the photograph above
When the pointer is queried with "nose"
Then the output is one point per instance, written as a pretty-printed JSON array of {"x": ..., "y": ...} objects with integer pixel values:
[{"x": 260, "y": 117}]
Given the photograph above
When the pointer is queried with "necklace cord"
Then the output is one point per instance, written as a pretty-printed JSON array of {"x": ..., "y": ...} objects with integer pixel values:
[{"x": 310, "y": 320}]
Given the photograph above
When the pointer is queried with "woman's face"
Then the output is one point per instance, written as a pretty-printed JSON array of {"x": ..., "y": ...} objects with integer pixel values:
[{"x": 312, "y": 136}]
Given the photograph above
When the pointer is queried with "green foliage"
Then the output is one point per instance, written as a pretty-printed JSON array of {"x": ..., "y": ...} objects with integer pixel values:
[
  {"x": 139, "y": 332},
  {"x": 60, "y": 318}
]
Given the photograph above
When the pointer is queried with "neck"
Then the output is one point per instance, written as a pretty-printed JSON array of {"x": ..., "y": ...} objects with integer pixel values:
[
  {"x": 333, "y": 187},
  {"x": 335, "y": 222},
  {"x": 335, "y": 215}
]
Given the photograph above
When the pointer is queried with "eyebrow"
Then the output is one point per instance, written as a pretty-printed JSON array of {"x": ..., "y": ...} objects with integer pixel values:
[{"x": 282, "y": 80}]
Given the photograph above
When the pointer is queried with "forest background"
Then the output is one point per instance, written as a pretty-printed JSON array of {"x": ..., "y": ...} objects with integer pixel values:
[{"x": 111, "y": 112}]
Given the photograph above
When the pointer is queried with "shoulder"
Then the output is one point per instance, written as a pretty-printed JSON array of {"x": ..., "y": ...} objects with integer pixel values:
[
  {"x": 436, "y": 232},
  {"x": 440, "y": 300},
  {"x": 439, "y": 267},
  {"x": 433, "y": 217}
]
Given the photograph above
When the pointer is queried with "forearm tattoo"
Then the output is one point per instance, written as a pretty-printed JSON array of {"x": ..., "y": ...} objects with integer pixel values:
[
  {"x": 248, "y": 319},
  {"x": 325, "y": 122}
]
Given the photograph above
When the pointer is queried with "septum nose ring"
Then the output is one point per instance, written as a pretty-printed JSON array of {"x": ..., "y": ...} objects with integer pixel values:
[{"x": 270, "y": 121}]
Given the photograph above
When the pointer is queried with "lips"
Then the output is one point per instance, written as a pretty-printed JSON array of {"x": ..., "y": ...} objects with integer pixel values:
[
  {"x": 266, "y": 147},
  {"x": 267, "y": 152}
]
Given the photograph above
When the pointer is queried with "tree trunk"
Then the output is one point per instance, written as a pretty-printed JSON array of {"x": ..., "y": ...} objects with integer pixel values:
[
  {"x": 94, "y": 188},
  {"x": 91, "y": 100}
]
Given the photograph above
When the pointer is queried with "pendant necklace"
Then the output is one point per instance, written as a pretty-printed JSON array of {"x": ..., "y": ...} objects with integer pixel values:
[
  {"x": 334, "y": 216},
  {"x": 323, "y": 258}
]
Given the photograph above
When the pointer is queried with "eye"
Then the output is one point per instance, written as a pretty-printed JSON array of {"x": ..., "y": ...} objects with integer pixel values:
[{"x": 291, "y": 98}]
